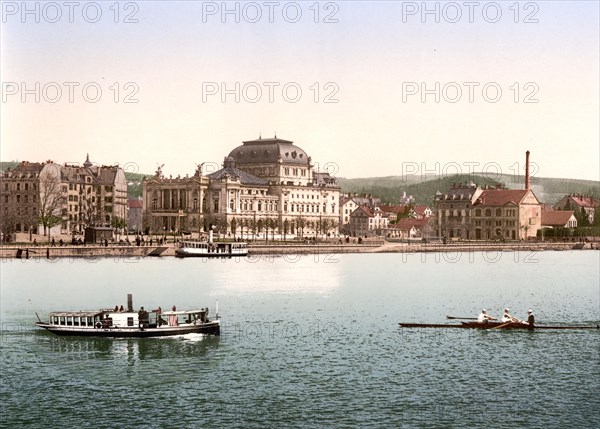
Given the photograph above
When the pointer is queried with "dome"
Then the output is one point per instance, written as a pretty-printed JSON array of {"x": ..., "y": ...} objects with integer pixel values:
[{"x": 273, "y": 150}]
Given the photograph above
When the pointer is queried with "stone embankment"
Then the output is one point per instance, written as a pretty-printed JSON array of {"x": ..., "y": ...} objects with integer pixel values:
[{"x": 27, "y": 251}]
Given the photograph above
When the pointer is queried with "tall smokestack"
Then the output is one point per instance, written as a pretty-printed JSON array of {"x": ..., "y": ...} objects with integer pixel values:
[{"x": 527, "y": 170}]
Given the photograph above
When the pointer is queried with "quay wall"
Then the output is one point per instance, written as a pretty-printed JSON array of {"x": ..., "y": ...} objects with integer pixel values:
[{"x": 81, "y": 251}]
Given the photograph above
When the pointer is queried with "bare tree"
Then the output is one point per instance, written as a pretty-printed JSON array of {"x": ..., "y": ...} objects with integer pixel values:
[{"x": 50, "y": 200}]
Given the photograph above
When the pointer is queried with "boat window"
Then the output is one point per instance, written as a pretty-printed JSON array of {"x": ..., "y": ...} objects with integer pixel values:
[
  {"x": 69, "y": 321},
  {"x": 89, "y": 321},
  {"x": 55, "y": 321},
  {"x": 62, "y": 320},
  {"x": 130, "y": 321},
  {"x": 75, "y": 321},
  {"x": 83, "y": 321}
]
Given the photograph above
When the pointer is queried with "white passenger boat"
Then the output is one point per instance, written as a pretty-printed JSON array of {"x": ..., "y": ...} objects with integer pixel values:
[
  {"x": 123, "y": 323},
  {"x": 205, "y": 249}
]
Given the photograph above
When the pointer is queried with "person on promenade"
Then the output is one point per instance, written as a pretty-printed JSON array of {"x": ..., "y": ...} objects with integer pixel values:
[
  {"x": 484, "y": 317},
  {"x": 507, "y": 317}
]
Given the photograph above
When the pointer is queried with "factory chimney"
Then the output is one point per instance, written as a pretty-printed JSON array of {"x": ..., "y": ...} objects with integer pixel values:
[{"x": 527, "y": 184}]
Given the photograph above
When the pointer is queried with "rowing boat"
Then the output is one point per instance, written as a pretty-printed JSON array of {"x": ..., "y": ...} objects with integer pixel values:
[{"x": 492, "y": 325}]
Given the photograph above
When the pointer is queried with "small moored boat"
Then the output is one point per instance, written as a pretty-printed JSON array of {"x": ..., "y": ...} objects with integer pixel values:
[{"x": 130, "y": 323}]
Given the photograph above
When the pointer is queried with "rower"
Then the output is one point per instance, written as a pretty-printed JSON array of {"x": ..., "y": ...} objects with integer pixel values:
[
  {"x": 507, "y": 317},
  {"x": 484, "y": 317},
  {"x": 530, "y": 318}
]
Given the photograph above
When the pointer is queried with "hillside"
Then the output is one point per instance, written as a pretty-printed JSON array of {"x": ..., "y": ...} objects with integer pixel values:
[{"x": 391, "y": 188}]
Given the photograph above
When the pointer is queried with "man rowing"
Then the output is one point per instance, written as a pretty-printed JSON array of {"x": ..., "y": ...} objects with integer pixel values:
[
  {"x": 507, "y": 317},
  {"x": 484, "y": 317},
  {"x": 530, "y": 319}
]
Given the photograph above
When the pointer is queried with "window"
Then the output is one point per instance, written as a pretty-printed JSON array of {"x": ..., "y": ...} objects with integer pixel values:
[
  {"x": 478, "y": 212},
  {"x": 18, "y": 186},
  {"x": 498, "y": 212},
  {"x": 488, "y": 212},
  {"x": 26, "y": 186},
  {"x": 18, "y": 198}
]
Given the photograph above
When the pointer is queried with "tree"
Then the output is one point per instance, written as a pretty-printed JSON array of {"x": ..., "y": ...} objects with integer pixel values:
[
  {"x": 89, "y": 212},
  {"x": 118, "y": 222},
  {"x": 233, "y": 225},
  {"x": 51, "y": 199}
]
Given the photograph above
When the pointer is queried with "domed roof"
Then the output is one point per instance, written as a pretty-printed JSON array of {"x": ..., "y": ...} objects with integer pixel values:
[{"x": 273, "y": 150}]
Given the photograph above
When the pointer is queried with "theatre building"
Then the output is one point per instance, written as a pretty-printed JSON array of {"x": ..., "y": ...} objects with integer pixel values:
[{"x": 265, "y": 187}]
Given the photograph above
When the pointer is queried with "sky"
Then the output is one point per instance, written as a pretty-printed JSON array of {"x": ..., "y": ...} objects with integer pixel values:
[{"x": 365, "y": 88}]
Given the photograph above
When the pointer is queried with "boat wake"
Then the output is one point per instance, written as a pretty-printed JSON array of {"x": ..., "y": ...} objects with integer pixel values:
[{"x": 192, "y": 338}]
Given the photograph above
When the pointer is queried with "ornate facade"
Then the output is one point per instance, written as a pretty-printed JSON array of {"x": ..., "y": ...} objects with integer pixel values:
[
  {"x": 266, "y": 187},
  {"x": 67, "y": 198}
]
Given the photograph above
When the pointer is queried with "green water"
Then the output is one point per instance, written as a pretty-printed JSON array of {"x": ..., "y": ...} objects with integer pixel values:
[{"x": 310, "y": 341}]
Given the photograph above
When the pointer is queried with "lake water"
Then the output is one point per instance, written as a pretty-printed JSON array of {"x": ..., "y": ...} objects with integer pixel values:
[{"x": 308, "y": 341}]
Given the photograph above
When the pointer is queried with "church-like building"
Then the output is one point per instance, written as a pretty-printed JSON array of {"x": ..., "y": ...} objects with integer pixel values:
[{"x": 266, "y": 188}]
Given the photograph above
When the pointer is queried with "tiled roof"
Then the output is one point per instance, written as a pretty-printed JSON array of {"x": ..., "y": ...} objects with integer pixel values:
[
  {"x": 245, "y": 178},
  {"x": 420, "y": 209},
  {"x": 365, "y": 210},
  {"x": 556, "y": 217},
  {"x": 135, "y": 204},
  {"x": 397, "y": 209},
  {"x": 585, "y": 201},
  {"x": 500, "y": 197},
  {"x": 405, "y": 224}
]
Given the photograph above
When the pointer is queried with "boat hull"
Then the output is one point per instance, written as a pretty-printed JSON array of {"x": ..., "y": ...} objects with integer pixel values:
[
  {"x": 187, "y": 254},
  {"x": 492, "y": 325},
  {"x": 210, "y": 328}
]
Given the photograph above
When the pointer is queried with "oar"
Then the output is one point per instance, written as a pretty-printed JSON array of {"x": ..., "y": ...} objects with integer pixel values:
[
  {"x": 504, "y": 324},
  {"x": 462, "y": 318}
]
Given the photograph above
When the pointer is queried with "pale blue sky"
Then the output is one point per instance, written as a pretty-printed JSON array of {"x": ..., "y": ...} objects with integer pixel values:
[{"x": 368, "y": 55}]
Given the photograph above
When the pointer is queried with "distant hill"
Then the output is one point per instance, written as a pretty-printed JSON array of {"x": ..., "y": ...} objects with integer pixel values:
[{"x": 391, "y": 188}]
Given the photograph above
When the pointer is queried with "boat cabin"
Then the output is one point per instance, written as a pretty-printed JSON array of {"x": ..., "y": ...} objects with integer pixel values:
[
  {"x": 207, "y": 248},
  {"x": 110, "y": 319}
]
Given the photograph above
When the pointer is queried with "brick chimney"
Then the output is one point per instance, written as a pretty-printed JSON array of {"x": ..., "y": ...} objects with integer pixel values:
[{"x": 527, "y": 184}]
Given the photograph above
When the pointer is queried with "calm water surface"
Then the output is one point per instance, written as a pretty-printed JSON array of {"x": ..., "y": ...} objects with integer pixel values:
[{"x": 309, "y": 341}]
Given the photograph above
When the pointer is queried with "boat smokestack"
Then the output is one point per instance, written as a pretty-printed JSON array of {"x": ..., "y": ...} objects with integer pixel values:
[
  {"x": 527, "y": 183},
  {"x": 129, "y": 302}
]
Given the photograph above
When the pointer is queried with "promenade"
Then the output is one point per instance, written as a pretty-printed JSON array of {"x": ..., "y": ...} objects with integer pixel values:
[{"x": 30, "y": 251}]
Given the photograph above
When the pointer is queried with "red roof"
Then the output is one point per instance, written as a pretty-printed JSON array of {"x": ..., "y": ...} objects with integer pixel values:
[
  {"x": 585, "y": 201},
  {"x": 420, "y": 209},
  {"x": 500, "y": 197},
  {"x": 135, "y": 204},
  {"x": 397, "y": 209},
  {"x": 556, "y": 217},
  {"x": 406, "y": 224}
]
